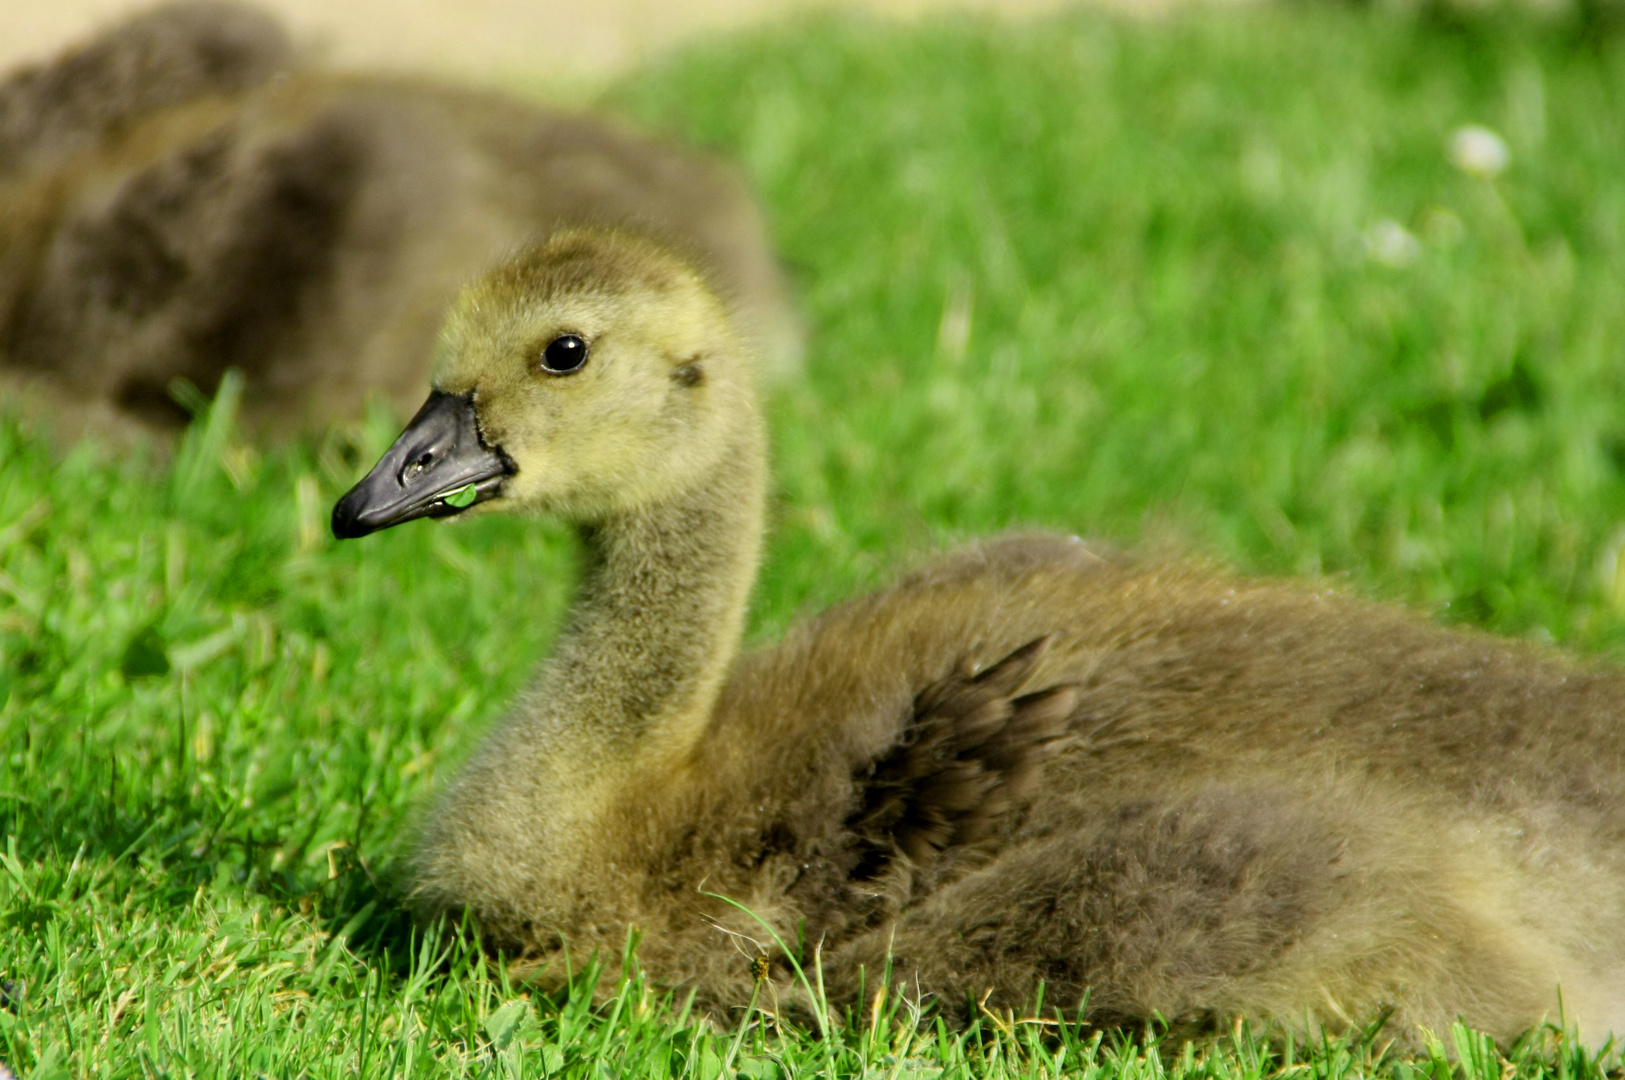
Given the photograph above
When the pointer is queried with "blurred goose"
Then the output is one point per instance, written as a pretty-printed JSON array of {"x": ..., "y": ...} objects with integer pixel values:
[
  {"x": 1027, "y": 764},
  {"x": 182, "y": 196}
]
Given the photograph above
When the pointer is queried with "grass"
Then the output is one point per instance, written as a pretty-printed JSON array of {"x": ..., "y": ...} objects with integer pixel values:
[{"x": 1138, "y": 281}]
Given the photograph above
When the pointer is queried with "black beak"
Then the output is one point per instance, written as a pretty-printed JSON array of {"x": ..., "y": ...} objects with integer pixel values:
[{"x": 438, "y": 467}]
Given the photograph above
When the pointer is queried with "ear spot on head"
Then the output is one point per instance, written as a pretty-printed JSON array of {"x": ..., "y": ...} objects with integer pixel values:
[{"x": 689, "y": 374}]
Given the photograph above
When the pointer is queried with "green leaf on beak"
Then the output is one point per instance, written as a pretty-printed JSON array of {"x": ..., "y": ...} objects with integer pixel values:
[{"x": 461, "y": 497}]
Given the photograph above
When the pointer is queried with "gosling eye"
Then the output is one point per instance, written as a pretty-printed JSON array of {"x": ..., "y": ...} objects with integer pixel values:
[{"x": 564, "y": 355}]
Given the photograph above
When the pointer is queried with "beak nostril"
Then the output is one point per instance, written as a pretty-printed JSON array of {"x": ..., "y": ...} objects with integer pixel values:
[{"x": 416, "y": 467}]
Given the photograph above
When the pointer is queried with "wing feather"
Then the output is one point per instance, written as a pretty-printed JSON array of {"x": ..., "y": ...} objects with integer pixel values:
[{"x": 962, "y": 766}]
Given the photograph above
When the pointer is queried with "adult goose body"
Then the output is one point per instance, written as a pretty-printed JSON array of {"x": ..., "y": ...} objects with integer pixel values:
[{"x": 1170, "y": 790}]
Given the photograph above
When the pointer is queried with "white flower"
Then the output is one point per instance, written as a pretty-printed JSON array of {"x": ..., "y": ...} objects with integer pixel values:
[
  {"x": 1391, "y": 244},
  {"x": 1478, "y": 151}
]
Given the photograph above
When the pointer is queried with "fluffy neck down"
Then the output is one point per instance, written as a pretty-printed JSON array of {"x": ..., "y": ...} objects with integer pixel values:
[
  {"x": 658, "y": 617},
  {"x": 627, "y": 692}
]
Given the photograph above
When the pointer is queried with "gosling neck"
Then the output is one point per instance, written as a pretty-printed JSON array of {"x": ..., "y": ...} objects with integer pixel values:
[{"x": 659, "y": 614}]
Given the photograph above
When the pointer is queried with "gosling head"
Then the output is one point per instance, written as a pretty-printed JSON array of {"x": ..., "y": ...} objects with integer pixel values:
[{"x": 584, "y": 377}]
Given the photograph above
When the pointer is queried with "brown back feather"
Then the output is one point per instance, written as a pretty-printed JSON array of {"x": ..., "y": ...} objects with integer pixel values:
[
  {"x": 173, "y": 53},
  {"x": 963, "y": 762}
]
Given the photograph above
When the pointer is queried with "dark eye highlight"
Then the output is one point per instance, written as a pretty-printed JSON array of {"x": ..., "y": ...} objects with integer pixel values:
[{"x": 564, "y": 355}]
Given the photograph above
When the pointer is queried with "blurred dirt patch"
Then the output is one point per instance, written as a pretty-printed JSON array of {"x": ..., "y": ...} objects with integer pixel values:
[{"x": 555, "y": 43}]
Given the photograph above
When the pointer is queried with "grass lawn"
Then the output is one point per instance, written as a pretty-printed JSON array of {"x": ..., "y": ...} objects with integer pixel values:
[{"x": 1211, "y": 286}]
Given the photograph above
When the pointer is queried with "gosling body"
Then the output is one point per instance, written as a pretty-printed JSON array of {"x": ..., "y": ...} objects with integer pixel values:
[
  {"x": 185, "y": 195},
  {"x": 1162, "y": 790}
]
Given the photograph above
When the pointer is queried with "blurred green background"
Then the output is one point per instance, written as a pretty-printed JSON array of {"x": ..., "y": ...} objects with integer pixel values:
[{"x": 1220, "y": 285}]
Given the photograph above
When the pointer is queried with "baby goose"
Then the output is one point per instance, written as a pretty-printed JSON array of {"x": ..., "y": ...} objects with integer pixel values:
[
  {"x": 182, "y": 196},
  {"x": 1173, "y": 791}
]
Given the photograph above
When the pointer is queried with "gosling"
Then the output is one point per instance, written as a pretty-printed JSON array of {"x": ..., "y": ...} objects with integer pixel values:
[
  {"x": 1154, "y": 789},
  {"x": 185, "y": 195}
]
